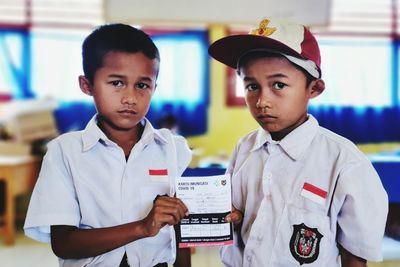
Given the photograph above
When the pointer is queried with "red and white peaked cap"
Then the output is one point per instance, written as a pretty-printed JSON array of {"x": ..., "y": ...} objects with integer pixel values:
[{"x": 294, "y": 41}]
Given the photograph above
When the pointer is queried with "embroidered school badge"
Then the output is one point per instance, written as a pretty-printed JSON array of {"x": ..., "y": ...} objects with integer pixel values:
[{"x": 304, "y": 243}]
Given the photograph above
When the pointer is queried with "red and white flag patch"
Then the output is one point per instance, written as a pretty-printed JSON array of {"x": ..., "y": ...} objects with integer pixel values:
[
  {"x": 158, "y": 175},
  {"x": 314, "y": 193}
]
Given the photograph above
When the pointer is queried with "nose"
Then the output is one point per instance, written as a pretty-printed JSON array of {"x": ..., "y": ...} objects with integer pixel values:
[
  {"x": 129, "y": 97},
  {"x": 263, "y": 100}
]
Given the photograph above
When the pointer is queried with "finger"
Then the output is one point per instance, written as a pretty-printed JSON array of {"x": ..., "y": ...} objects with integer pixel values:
[
  {"x": 232, "y": 217},
  {"x": 171, "y": 202},
  {"x": 158, "y": 221},
  {"x": 168, "y": 214},
  {"x": 236, "y": 217},
  {"x": 228, "y": 218},
  {"x": 167, "y": 219},
  {"x": 174, "y": 208}
]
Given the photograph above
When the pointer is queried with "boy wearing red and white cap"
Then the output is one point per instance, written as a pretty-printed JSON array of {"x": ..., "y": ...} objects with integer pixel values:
[{"x": 304, "y": 191}]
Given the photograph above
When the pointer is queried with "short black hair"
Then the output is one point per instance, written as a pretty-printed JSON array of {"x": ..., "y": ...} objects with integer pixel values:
[
  {"x": 116, "y": 37},
  {"x": 259, "y": 54}
]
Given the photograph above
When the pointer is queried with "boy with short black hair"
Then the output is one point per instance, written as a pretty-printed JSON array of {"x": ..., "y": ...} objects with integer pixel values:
[
  {"x": 101, "y": 196},
  {"x": 306, "y": 194}
]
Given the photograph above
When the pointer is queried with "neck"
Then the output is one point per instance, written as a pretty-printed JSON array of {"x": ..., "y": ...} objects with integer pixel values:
[
  {"x": 126, "y": 139},
  {"x": 278, "y": 136}
]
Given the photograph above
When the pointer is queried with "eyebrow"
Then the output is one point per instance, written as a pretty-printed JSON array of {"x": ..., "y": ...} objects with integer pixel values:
[
  {"x": 277, "y": 75},
  {"x": 116, "y": 76},
  {"x": 145, "y": 78}
]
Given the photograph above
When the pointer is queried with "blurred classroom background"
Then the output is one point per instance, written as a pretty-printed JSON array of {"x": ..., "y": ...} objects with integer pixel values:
[{"x": 40, "y": 60}]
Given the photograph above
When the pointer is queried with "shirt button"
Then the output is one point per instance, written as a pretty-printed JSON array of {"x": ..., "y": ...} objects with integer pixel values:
[
  {"x": 248, "y": 258},
  {"x": 268, "y": 176},
  {"x": 259, "y": 238}
]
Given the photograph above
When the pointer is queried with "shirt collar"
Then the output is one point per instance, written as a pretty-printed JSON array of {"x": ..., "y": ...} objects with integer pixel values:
[
  {"x": 92, "y": 134},
  {"x": 262, "y": 137},
  {"x": 295, "y": 143},
  {"x": 150, "y": 134}
]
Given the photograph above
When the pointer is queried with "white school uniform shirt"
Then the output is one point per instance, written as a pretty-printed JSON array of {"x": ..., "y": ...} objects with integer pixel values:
[
  {"x": 303, "y": 196},
  {"x": 85, "y": 181}
]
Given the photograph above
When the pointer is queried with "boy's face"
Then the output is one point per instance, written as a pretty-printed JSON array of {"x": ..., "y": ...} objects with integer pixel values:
[
  {"x": 276, "y": 94},
  {"x": 122, "y": 89}
]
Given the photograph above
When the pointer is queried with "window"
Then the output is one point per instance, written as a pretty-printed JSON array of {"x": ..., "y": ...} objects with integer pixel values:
[
  {"x": 12, "y": 66},
  {"x": 57, "y": 63},
  {"x": 39, "y": 46},
  {"x": 183, "y": 70},
  {"x": 235, "y": 95},
  {"x": 357, "y": 72},
  {"x": 182, "y": 87}
]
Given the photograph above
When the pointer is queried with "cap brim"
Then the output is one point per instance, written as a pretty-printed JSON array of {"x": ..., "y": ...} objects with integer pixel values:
[{"x": 228, "y": 50}]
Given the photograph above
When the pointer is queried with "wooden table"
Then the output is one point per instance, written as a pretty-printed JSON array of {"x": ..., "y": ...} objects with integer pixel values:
[{"x": 19, "y": 174}]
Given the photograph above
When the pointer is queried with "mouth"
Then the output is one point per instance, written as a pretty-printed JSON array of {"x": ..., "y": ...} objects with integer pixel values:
[
  {"x": 266, "y": 118},
  {"x": 127, "y": 112}
]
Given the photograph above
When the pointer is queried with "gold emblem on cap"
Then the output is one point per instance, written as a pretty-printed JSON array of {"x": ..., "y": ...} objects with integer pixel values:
[{"x": 263, "y": 29}]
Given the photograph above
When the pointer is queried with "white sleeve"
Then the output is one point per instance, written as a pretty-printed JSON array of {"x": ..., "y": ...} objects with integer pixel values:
[
  {"x": 53, "y": 201},
  {"x": 362, "y": 217}
]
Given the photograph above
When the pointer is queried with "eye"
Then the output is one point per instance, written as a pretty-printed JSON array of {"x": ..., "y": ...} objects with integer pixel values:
[
  {"x": 251, "y": 87},
  {"x": 117, "y": 83},
  {"x": 279, "y": 85},
  {"x": 142, "y": 86}
]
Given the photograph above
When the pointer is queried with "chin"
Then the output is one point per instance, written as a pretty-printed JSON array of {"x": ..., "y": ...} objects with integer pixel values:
[
  {"x": 124, "y": 126},
  {"x": 269, "y": 129}
]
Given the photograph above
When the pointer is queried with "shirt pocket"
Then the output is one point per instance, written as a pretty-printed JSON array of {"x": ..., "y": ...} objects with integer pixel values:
[
  {"x": 304, "y": 237},
  {"x": 150, "y": 191},
  {"x": 147, "y": 195}
]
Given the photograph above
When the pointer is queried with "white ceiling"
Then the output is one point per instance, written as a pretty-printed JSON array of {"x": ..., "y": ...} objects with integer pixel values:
[{"x": 308, "y": 12}]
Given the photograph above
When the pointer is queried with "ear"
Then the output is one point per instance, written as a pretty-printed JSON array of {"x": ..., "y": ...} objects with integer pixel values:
[
  {"x": 85, "y": 85},
  {"x": 317, "y": 87}
]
